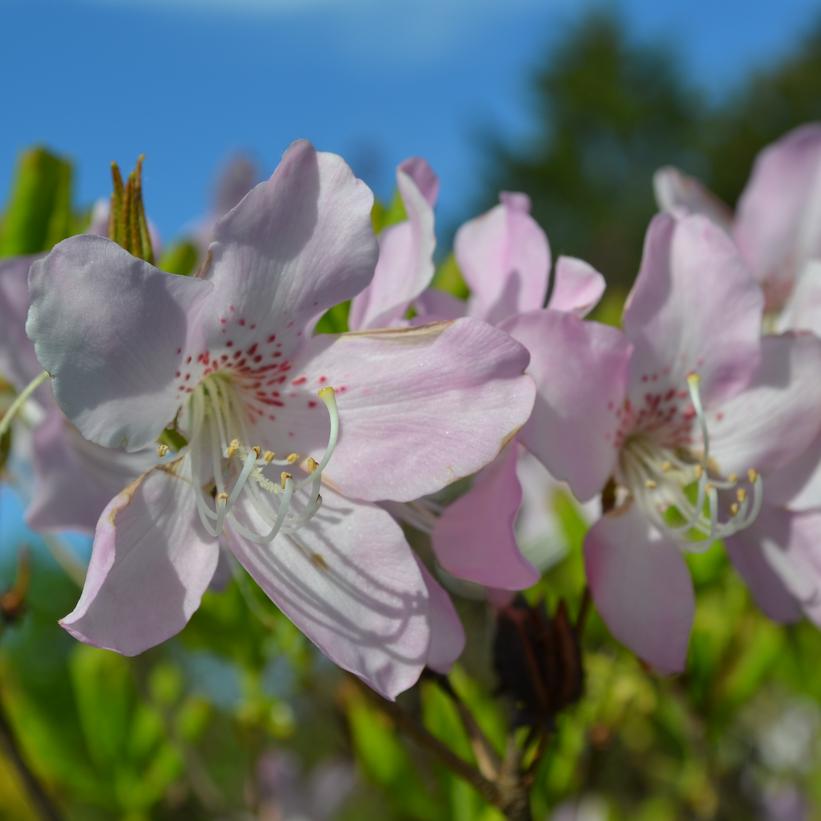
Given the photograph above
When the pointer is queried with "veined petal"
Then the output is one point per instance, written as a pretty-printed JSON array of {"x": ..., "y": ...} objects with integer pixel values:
[
  {"x": 437, "y": 306},
  {"x": 109, "y": 328},
  {"x": 580, "y": 369},
  {"x": 74, "y": 478},
  {"x": 694, "y": 307},
  {"x": 474, "y": 538},
  {"x": 419, "y": 408},
  {"x": 641, "y": 587},
  {"x": 294, "y": 246},
  {"x": 18, "y": 363},
  {"x": 577, "y": 287},
  {"x": 350, "y": 582},
  {"x": 776, "y": 418},
  {"x": 778, "y": 218},
  {"x": 447, "y": 636},
  {"x": 680, "y": 194},
  {"x": 150, "y": 565},
  {"x": 505, "y": 258},
  {"x": 749, "y": 549},
  {"x": 405, "y": 266}
]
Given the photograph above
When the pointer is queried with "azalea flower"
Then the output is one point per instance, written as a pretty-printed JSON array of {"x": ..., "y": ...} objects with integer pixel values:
[
  {"x": 505, "y": 258},
  {"x": 71, "y": 479},
  {"x": 287, "y": 439},
  {"x": 777, "y": 224},
  {"x": 678, "y": 421}
]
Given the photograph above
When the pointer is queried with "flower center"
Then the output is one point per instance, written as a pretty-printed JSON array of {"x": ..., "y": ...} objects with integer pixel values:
[
  {"x": 220, "y": 447},
  {"x": 684, "y": 493}
]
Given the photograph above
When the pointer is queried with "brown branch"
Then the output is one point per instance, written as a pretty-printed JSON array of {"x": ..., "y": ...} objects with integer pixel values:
[{"x": 41, "y": 800}]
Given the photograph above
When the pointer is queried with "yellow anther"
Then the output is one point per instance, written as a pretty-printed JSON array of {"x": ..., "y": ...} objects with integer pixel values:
[
  {"x": 326, "y": 393},
  {"x": 752, "y": 475},
  {"x": 699, "y": 471},
  {"x": 693, "y": 378},
  {"x": 232, "y": 448},
  {"x": 311, "y": 464},
  {"x": 257, "y": 451},
  {"x": 222, "y": 497},
  {"x": 733, "y": 478},
  {"x": 666, "y": 467},
  {"x": 268, "y": 457},
  {"x": 741, "y": 494},
  {"x": 292, "y": 458},
  {"x": 162, "y": 450},
  {"x": 284, "y": 478},
  {"x": 650, "y": 484},
  {"x": 709, "y": 487},
  {"x": 734, "y": 508}
]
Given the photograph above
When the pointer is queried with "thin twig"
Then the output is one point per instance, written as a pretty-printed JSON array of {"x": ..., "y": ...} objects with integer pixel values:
[{"x": 40, "y": 798}]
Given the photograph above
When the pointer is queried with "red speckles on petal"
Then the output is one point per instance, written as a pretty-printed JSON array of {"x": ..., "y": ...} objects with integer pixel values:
[
  {"x": 301, "y": 380},
  {"x": 322, "y": 380},
  {"x": 229, "y": 343},
  {"x": 311, "y": 403}
]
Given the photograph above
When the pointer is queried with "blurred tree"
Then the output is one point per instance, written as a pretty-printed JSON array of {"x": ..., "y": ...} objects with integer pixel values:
[{"x": 610, "y": 110}]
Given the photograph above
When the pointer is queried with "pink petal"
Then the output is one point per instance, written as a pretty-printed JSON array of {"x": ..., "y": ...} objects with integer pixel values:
[
  {"x": 679, "y": 194},
  {"x": 419, "y": 408},
  {"x": 776, "y": 418},
  {"x": 694, "y": 307},
  {"x": 294, "y": 246},
  {"x": 505, "y": 259},
  {"x": 802, "y": 311},
  {"x": 74, "y": 478},
  {"x": 109, "y": 327},
  {"x": 150, "y": 565},
  {"x": 349, "y": 581},
  {"x": 405, "y": 266},
  {"x": 798, "y": 484},
  {"x": 778, "y": 219},
  {"x": 641, "y": 587},
  {"x": 447, "y": 636},
  {"x": 747, "y": 550},
  {"x": 577, "y": 287},
  {"x": 475, "y": 539},
  {"x": 437, "y": 306},
  {"x": 580, "y": 369},
  {"x": 18, "y": 363}
]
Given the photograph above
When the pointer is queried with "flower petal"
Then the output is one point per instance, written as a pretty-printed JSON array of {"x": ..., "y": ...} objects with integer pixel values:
[
  {"x": 109, "y": 327},
  {"x": 580, "y": 369},
  {"x": 18, "y": 362},
  {"x": 74, "y": 478},
  {"x": 447, "y": 636},
  {"x": 798, "y": 484},
  {"x": 694, "y": 307},
  {"x": 150, "y": 565},
  {"x": 802, "y": 311},
  {"x": 641, "y": 587},
  {"x": 405, "y": 266},
  {"x": 577, "y": 287},
  {"x": 680, "y": 194},
  {"x": 350, "y": 582},
  {"x": 419, "y": 408},
  {"x": 505, "y": 258},
  {"x": 776, "y": 418},
  {"x": 474, "y": 538},
  {"x": 775, "y": 558},
  {"x": 295, "y": 245},
  {"x": 778, "y": 218}
]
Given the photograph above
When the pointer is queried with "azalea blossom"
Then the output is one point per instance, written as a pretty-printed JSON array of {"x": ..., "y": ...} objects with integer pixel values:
[
  {"x": 678, "y": 420},
  {"x": 505, "y": 258},
  {"x": 71, "y": 480},
  {"x": 777, "y": 224},
  {"x": 286, "y": 440}
]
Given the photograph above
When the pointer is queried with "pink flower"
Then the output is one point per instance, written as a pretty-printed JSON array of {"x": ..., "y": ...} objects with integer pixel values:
[
  {"x": 777, "y": 224},
  {"x": 685, "y": 411},
  {"x": 284, "y": 430},
  {"x": 505, "y": 258}
]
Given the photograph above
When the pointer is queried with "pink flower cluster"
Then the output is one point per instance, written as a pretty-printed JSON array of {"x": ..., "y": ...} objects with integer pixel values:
[{"x": 194, "y": 421}]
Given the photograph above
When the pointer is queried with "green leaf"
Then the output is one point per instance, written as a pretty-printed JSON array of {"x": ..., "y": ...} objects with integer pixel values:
[
  {"x": 38, "y": 213},
  {"x": 181, "y": 258},
  {"x": 448, "y": 278}
]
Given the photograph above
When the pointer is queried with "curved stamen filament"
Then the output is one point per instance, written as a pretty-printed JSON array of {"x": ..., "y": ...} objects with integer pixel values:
[{"x": 20, "y": 401}]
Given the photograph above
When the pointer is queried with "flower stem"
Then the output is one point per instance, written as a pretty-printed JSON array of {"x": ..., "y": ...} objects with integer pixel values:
[{"x": 18, "y": 403}]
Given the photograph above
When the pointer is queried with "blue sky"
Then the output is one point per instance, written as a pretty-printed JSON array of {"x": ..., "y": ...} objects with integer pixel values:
[{"x": 188, "y": 81}]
